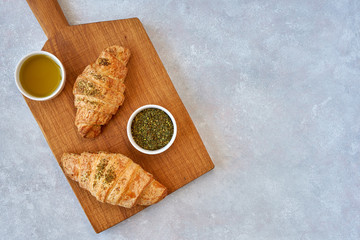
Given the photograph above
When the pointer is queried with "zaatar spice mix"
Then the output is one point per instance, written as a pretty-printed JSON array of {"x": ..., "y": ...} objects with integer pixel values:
[{"x": 152, "y": 129}]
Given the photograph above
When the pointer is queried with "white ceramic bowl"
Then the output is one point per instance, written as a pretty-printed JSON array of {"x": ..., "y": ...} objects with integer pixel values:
[
  {"x": 57, "y": 90},
  {"x": 131, "y": 139}
]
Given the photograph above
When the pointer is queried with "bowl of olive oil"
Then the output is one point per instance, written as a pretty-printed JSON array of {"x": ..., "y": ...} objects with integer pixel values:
[
  {"x": 151, "y": 129},
  {"x": 40, "y": 76}
]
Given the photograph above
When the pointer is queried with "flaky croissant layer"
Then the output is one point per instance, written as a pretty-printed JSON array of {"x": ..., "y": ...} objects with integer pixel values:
[
  {"x": 113, "y": 178},
  {"x": 99, "y": 90}
]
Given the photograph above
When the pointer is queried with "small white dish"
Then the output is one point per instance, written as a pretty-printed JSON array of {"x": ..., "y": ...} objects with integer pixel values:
[
  {"x": 56, "y": 91},
  {"x": 131, "y": 139}
]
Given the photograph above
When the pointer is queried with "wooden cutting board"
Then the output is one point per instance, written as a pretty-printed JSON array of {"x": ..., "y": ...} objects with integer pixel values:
[{"x": 147, "y": 82}]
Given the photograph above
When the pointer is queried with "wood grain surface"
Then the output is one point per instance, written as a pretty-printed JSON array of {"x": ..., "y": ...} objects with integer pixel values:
[{"x": 147, "y": 82}]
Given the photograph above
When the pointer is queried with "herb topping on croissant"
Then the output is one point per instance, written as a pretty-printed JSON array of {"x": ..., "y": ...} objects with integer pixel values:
[
  {"x": 113, "y": 178},
  {"x": 99, "y": 90}
]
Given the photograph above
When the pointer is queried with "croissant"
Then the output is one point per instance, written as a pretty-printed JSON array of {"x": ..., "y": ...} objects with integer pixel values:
[
  {"x": 99, "y": 90},
  {"x": 113, "y": 178}
]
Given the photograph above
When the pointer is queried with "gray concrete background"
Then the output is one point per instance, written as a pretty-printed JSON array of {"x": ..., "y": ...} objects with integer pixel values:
[{"x": 273, "y": 89}]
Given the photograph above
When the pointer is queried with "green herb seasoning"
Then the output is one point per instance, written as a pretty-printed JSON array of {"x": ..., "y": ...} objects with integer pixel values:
[
  {"x": 87, "y": 88},
  {"x": 100, "y": 168},
  {"x": 104, "y": 61},
  {"x": 110, "y": 175},
  {"x": 152, "y": 129}
]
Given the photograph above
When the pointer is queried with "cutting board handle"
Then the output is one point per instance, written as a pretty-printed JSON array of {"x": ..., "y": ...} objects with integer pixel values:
[{"x": 49, "y": 15}]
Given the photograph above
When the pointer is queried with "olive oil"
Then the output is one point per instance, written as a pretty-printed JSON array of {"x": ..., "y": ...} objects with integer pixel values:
[{"x": 40, "y": 76}]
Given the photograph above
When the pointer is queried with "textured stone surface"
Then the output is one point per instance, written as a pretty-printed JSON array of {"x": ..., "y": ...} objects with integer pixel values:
[{"x": 273, "y": 88}]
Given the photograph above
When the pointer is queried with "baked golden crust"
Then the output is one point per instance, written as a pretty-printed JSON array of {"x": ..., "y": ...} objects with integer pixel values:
[
  {"x": 110, "y": 66},
  {"x": 153, "y": 193},
  {"x": 91, "y": 117},
  {"x": 85, "y": 85},
  {"x": 100, "y": 90},
  {"x": 121, "y": 53},
  {"x": 93, "y": 103},
  {"x": 113, "y": 178},
  {"x": 104, "y": 80},
  {"x": 136, "y": 186},
  {"x": 89, "y": 121}
]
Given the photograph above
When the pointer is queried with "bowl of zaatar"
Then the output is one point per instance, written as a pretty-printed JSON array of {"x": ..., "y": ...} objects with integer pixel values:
[{"x": 151, "y": 129}]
